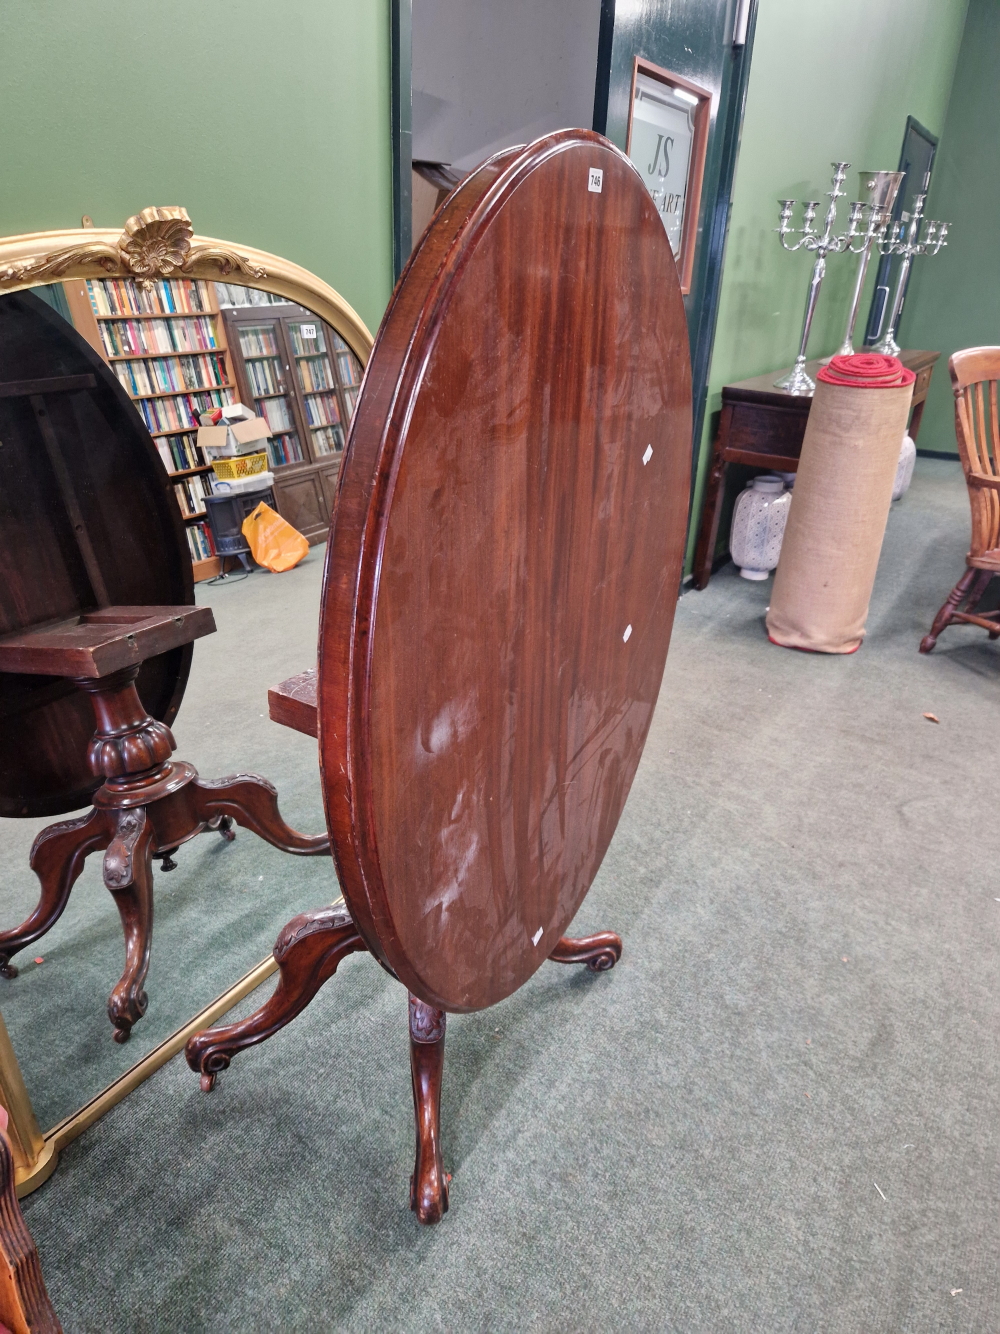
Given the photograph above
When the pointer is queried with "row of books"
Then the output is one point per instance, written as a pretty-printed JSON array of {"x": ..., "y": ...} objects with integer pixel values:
[
  {"x": 264, "y": 376},
  {"x": 180, "y": 413},
  {"x": 304, "y": 346},
  {"x": 127, "y": 338},
  {"x": 163, "y": 374},
  {"x": 350, "y": 398},
  {"x": 328, "y": 439},
  {"x": 200, "y": 543},
  {"x": 315, "y": 374},
  {"x": 167, "y": 296},
  {"x": 179, "y": 452},
  {"x": 284, "y": 449},
  {"x": 322, "y": 410},
  {"x": 349, "y": 368},
  {"x": 276, "y": 414},
  {"x": 258, "y": 341},
  {"x": 191, "y": 493}
]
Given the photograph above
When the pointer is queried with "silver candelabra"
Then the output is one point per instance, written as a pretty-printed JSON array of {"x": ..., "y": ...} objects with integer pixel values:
[
  {"x": 879, "y": 190},
  {"x": 906, "y": 241},
  {"x": 797, "y": 381}
]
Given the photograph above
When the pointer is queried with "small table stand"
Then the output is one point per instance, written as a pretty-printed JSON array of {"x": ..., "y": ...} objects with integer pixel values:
[
  {"x": 307, "y": 953},
  {"x": 148, "y": 804},
  {"x": 763, "y": 427}
]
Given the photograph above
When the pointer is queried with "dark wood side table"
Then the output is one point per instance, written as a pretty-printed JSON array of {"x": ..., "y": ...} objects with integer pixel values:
[{"x": 762, "y": 427}]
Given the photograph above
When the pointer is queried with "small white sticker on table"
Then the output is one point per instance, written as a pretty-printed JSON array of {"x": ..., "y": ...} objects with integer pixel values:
[
  {"x": 648, "y": 455},
  {"x": 537, "y": 936},
  {"x": 625, "y": 636},
  {"x": 595, "y": 181}
]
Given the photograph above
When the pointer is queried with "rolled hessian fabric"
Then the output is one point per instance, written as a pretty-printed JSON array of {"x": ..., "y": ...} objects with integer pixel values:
[{"x": 843, "y": 490}]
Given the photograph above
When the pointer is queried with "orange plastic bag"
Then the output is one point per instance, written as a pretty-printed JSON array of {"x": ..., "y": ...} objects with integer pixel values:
[{"x": 273, "y": 542}]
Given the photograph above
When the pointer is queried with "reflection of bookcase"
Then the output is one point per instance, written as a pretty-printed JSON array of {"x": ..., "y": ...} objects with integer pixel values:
[
  {"x": 167, "y": 348},
  {"x": 303, "y": 378}
]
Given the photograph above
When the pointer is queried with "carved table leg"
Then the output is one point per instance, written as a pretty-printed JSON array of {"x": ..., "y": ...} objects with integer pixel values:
[
  {"x": 57, "y": 858},
  {"x": 128, "y": 873},
  {"x": 307, "y": 952},
  {"x": 429, "y": 1184},
  {"x": 599, "y": 952},
  {"x": 24, "y": 1302},
  {"x": 253, "y": 803},
  {"x": 947, "y": 612}
]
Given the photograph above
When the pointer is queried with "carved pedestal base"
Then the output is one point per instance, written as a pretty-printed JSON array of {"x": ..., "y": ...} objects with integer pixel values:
[
  {"x": 308, "y": 952},
  {"x": 147, "y": 807}
]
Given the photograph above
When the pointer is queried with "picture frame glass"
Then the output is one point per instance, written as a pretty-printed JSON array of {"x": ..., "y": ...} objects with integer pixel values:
[{"x": 661, "y": 147}]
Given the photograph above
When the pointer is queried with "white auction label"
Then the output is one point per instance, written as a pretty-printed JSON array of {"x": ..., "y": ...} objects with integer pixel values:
[
  {"x": 308, "y": 331},
  {"x": 596, "y": 180}
]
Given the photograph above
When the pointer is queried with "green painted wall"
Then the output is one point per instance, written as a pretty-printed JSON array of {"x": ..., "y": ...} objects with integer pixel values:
[
  {"x": 954, "y": 299},
  {"x": 828, "y": 82},
  {"x": 268, "y": 122}
]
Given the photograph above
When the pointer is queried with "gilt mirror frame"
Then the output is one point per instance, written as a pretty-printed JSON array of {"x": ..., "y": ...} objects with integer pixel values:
[{"x": 157, "y": 243}]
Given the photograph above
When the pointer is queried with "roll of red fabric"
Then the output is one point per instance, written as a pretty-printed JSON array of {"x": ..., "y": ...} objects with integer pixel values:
[{"x": 867, "y": 370}]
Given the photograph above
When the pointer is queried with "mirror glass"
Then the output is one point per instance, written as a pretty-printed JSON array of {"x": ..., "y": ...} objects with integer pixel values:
[{"x": 181, "y": 349}]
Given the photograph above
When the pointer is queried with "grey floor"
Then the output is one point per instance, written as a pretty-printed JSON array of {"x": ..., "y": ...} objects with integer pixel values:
[{"x": 779, "y": 1113}]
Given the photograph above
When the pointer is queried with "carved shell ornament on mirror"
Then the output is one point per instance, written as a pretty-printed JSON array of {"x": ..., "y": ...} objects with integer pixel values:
[{"x": 156, "y": 243}]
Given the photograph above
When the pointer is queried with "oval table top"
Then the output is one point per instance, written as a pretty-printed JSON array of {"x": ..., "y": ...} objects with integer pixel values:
[
  {"x": 503, "y": 567},
  {"x": 87, "y": 520}
]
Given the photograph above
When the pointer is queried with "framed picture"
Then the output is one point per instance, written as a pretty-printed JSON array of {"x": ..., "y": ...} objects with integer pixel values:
[
  {"x": 668, "y": 124},
  {"x": 917, "y": 160}
]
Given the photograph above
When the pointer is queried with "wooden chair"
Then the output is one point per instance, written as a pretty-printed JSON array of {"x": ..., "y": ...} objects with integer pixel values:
[
  {"x": 974, "y": 375},
  {"x": 24, "y": 1304}
]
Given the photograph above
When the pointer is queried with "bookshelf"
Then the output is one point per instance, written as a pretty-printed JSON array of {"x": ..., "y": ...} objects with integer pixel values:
[
  {"x": 166, "y": 344},
  {"x": 304, "y": 379}
]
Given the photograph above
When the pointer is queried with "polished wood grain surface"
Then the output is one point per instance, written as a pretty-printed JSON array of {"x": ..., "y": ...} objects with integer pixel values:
[
  {"x": 503, "y": 567},
  {"x": 293, "y": 703},
  {"x": 100, "y": 642},
  {"x": 86, "y": 520}
]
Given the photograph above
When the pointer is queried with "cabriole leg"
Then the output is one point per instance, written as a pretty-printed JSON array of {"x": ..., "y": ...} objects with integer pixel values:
[
  {"x": 57, "y": 858},
  {"x": 128, "y": 873},
  {"x": 429, "y": 1184},
  {"x": 307, "y": 952},
  {"x": 253, "y": 803}
]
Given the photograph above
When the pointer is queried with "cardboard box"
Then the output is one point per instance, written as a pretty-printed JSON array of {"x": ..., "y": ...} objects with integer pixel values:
[{"x": 247, "y": 436}]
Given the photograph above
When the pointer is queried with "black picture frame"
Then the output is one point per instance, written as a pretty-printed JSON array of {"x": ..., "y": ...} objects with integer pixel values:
[{"x": 916, "y": 159}]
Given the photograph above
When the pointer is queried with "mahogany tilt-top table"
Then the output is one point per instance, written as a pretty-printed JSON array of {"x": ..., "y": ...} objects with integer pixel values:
[
  {"x": 501, "y": 575},
  {"x": 96, "y": 628}
]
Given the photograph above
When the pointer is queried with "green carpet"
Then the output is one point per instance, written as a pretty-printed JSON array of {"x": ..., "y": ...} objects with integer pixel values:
[{"x": 778, "y": 1113}]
